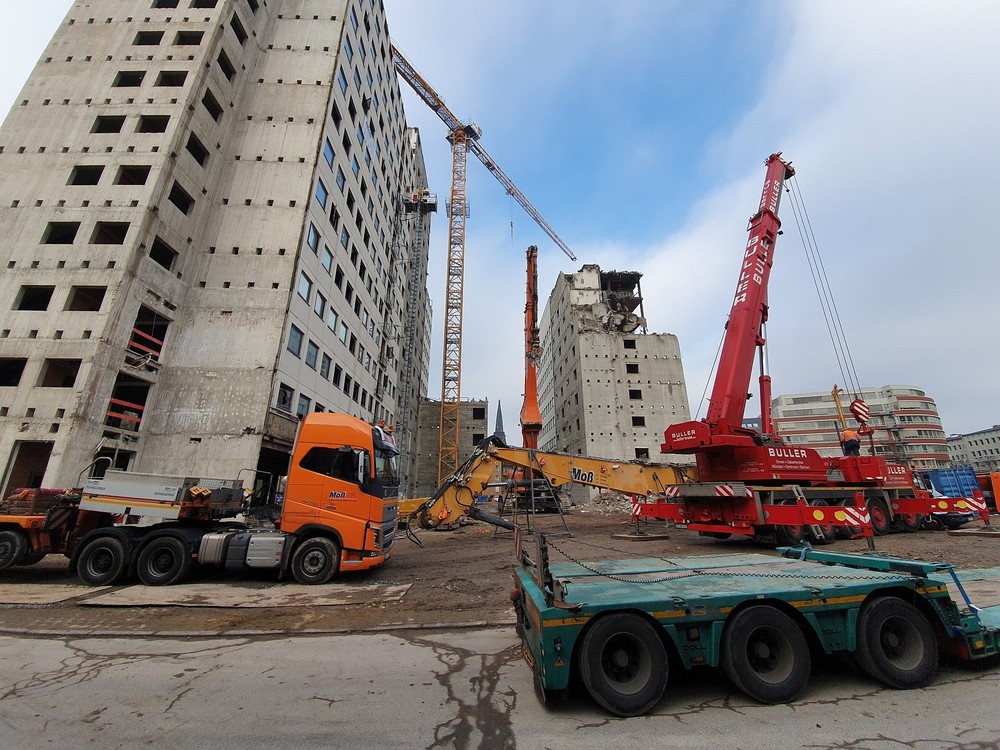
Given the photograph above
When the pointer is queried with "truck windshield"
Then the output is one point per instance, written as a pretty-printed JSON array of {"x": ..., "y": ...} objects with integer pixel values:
[{"x": 386, "y": 465}]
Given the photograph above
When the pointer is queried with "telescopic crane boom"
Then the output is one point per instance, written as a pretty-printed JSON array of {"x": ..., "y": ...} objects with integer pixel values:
[{"x": 463, "y": 138}]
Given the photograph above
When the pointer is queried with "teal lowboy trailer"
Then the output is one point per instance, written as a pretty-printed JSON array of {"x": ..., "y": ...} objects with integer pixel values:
[{"x": 623, "y": 628}]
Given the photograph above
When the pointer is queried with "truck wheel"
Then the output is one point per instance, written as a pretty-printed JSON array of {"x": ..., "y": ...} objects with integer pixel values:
[
  {"x": 789, "y": 536},
  {"x": 316, "y": 561},
  {"x": 102, "y": 561},
  {"x": 163, "y": 561},
  {"x": 879, "y": 513},
  {"x": 896, "y": 643},
  {"x": 623, "y": 664},
  {"x": 910, "y": 522},
  {"x": 13, "y": 548},
  {"x": 765, "y": 654}
]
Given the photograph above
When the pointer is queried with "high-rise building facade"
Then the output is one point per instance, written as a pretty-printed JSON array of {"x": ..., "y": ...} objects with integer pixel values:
[
  {"x": 202, "y": 206},
  {"x": 606, "y": 387},
  {"x": 906, "y": 423}
]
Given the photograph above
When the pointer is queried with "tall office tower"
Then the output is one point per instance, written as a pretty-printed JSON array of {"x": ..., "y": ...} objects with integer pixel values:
[
  {"x": 607, "y": 388},
  {"x": 204, "y": 237}
]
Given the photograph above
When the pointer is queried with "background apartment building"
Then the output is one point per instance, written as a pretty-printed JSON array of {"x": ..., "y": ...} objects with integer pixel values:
[
  {"x": 606, "y": 387},
  {"x": 201, "y": 202},
  {"x": 905, "y": 419},
  {"x": 979, "y": 449}
]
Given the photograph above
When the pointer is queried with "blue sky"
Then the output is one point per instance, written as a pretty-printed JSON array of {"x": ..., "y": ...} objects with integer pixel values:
[{"x": 639, "y": 131}]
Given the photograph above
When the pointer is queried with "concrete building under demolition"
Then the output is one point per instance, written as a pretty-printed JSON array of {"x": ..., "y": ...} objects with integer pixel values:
[
  {"x": 607, "y": 387},
  {"x": 206, "y": 237},
  {"x": 473, "y": 423}
]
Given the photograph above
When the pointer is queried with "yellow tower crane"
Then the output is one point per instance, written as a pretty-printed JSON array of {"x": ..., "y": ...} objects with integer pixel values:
[{"x": 464, "y": 138}]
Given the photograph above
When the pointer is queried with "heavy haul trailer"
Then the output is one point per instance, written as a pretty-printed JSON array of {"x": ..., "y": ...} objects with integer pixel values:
[
  {"x": 338, "y": 512},
  {"x": 627, "y": 628}
]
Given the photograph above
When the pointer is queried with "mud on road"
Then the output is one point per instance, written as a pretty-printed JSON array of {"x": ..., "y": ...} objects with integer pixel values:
[{"x": 457, "y": 577}]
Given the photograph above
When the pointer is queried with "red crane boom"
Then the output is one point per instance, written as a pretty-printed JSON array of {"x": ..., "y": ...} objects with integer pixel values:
[{"x": 744, "y": 333}]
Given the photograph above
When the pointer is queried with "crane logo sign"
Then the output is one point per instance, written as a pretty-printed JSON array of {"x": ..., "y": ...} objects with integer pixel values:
[
  {"x": 579, "y": 475},
  {"x": 754, "y": 263}
]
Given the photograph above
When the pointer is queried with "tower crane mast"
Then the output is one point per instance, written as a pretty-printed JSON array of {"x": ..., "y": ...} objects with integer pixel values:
[{"x": 464, "y": 138}]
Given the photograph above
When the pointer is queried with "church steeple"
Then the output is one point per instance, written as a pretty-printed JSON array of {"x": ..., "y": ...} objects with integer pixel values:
[{"x": 498, "y": 430}]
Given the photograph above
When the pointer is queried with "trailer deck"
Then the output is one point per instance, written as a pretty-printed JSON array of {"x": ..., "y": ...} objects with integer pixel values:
[{"x": 617, "y": 624}]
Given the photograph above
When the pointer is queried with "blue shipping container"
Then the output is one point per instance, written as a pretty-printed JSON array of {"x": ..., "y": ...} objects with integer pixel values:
[{"x": 957, "y": 482}]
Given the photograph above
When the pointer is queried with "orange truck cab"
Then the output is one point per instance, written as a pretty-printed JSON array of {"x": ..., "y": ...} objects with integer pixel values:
[{"x": 344, "y": 478}]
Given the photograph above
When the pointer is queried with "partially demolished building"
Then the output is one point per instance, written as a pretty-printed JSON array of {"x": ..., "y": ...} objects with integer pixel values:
[{"x": 606, "y": 386}]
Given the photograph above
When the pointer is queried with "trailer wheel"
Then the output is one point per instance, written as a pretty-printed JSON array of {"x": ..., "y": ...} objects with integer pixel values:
[
  {"x": 13, "y": 548},
  {"x": 896, "y": 643},
  {"x": 316, "y": 561},
  {"x": 102, "y": 561},
  {"x": 164, "y": 561},
  {"x": 879, "y": 513},
  {"x": 765, "y": 654},
  {"x": 623, "y": 664},
  {"x": 31, "y": 558}
]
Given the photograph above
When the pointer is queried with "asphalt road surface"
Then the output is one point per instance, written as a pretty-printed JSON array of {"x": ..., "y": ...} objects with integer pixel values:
[{"x": 435, "y": 689}]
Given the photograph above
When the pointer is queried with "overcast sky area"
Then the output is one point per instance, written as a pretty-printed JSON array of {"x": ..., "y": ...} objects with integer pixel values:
[{"x": 639, "y": 131}]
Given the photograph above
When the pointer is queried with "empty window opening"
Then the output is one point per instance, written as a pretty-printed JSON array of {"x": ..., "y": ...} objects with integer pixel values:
[
  {"x": 164, "y": 3},
  {"x": 171, "y": 78},
  {"x": 237, "y": 27},
  {"x": 638, "y": 421},
  {"x": 108, "y": 124},
  {"x": 86, "y": 298},
  {"x": 34, "y": 298},
  {"x": 197, "y": 149},
  {"x": 162, "y": 253},
  {"x": 129, "y": 78},
  {"x": 148, "y": 38},
  {"x": 642, "y": 454},
  {"x": 253, "y": 5},
  {"x": 635, "y": 394},
  {"x": 203, "y": 3},
  {"x": 59, "y": 373},
  {"x": 225, "y": 66},
  {"x": 146, "y": 342},
  {"x": 632, "y": 368},
  {"x": 109, "y": 233},
  {"x": 11, "y": 370},
  {"x": 86, "y": 175},
  {"x": 132, "y": 174},
  {"x": 629, "y": 343},
  {"x": 478, "y": 412},
  {"x": 127, "y": 403},
  {"x": 212, "y": 105},
  {"x": 152, "y": 124},
  {"x": 189, "y": 38},
  {"x": 60, "y": 232},
  {"x": 180, "y": 198}
]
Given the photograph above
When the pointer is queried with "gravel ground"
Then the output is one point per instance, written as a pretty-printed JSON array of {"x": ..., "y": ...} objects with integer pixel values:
[{"x": 457, "y": 577}]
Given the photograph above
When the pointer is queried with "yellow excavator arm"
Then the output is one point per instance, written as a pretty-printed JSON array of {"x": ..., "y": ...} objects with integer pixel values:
[{"x": 456, "y": 497}]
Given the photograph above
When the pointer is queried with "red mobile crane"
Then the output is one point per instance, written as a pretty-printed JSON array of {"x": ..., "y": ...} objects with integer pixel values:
[{"x": 750, "y": 482}]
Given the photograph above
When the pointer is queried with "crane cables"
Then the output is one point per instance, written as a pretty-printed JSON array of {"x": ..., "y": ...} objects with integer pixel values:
[{"x": 821, "y": 281}]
